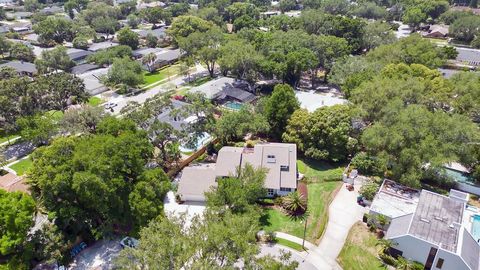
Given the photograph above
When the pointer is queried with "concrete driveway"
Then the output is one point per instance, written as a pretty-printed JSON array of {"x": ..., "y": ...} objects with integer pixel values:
[
  {"x": 276, "y": 250},
  {"x": 172, "y": 208},
  {"x": 343, "y": 213}
]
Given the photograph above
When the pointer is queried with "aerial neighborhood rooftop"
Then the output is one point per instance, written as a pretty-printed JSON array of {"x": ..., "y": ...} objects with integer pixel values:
[{"x": 322, "y": 134}]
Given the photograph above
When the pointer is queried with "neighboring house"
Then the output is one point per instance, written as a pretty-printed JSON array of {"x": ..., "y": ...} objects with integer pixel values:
[
  {"x": 312, "y": 100},
  {"x": 163, "y": 56},
  {"x": 82, "y": 68},
  {"x": 144, "y": 5},
  {"x": 224, "y": 89},
  {"x": 158, "y": 33},
  {"x": 468, "y": 56},
  {"x": 19, "y": 15},
  {"x": 95, "y": 47},
  {"x": 441, "y": 233},
  {"x": 4, "y": 29},
  {"x": 280, "y": 160},
  {"x": 177, "y": 122},
  {"x": 78, "y": 55},
  {"x": 437, "y": 31},
  {"x": 52, "y": 10},
  {"x": 92, "y": 81},
  {"x": 23, "y": 68},
  {"x": 31, "y": 38}
]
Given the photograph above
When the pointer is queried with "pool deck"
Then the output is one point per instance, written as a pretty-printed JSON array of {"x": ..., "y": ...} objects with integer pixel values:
[{"x": 467, "y": 219}]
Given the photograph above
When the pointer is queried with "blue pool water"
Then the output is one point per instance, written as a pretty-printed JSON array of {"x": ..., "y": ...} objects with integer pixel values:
[
  {"x": 459, "y": 176},
  {"x": 234, "y": 105},
  {"x": 476, "y": 227},
  {"x": 202, "y": 140}
]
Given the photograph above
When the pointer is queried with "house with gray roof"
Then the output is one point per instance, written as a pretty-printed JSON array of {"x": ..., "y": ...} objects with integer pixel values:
[
  {"x": 23, "y": 68},
  {"x": 95, "y": 47},
  {"x": 163, "y": 56},
  {"x": 82, "y": 68},
  {"x": 442, "y": 232},
  {"x": 177, "y": 122},
  {"x": 78, "y": 55},
  {"x": 158, "y": 33},
  {"x": 224, "y": 89},
  {"x": 279, "y": 159},
  {"x": 93, "y": 81}
]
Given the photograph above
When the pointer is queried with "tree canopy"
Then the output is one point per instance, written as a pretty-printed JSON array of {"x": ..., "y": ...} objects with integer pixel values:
[{"x": 99, "y": 184}]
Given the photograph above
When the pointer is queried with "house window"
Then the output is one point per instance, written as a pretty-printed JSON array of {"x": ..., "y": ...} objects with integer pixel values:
[
  {"x": 440, "y": 263},
  {"x": 284, "y": 168},
  {"x": 270, "y": 192},
  {"x": 285, "y": 189}
]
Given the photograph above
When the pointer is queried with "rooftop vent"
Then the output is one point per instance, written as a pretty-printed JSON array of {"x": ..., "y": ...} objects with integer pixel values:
[
  {"x": 271, "y": 159},
  {"x": 425, "y": 220}
]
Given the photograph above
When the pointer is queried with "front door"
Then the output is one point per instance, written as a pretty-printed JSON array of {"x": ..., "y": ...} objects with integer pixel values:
[{"x": 431, "y": 257}]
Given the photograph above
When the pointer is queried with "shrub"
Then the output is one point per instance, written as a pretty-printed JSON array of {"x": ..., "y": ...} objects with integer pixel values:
[
  {"x": 368, "y": 165},
  {"x": 387, "y": 259},
  {"x": 80, "y": 43},
  {"x": 250, "y": 144},
  {"x": 369, "y": 189},
  {"x": 278, "y": 201}
]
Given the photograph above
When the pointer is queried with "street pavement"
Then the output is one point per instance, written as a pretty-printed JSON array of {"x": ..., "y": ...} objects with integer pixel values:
[{"x": 167, "y": 85}]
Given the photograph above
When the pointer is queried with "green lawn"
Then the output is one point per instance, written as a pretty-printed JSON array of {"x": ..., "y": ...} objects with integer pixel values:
[
  {"x": 321, "y": 190},
  {"x": 158, "y": 75},
  {"x": 22, "y": 166},
  {"x": 359, "y": 251},
  {"x": 94, "y": 101},
  {"x": 290, "y": 244},
  {"x": 6, "y": 137},
  {"x": 200, "y": 81}
]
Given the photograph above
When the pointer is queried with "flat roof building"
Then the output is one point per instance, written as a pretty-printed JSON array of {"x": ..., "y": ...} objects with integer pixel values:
[{"x": 439, "y": 233}]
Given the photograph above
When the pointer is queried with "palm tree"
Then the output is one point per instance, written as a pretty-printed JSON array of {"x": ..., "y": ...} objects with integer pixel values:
[
  {"x": 295, "y": 203},
  {"x": 384, "y": 244},
  {"x": 404, "y": 264},
  {"x": 149, "y": 61}
]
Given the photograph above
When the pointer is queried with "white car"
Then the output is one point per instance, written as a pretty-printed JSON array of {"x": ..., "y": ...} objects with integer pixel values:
[{"x": 129, "y": 242}]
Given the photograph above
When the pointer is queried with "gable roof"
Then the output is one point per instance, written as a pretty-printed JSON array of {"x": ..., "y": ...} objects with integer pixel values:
[
  {"x": 228, "y": 160},
  {"x": 195, "y": 181},
  {"x": 21, "y": 67},
  {"x": 399, "y": 226},
  {"x": 80, "y": 69}
]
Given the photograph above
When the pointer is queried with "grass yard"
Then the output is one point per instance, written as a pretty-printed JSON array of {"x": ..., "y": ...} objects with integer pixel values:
[
  {"x": 321, "y": 190},
  {"x": 199, "y": 81},
  {"x": 22, "y": 166},
  {"x": 94, "y": 101},
  {"x": 359, "y": 251},
  {"x": 160, "y": 74},
  {"x": 290, "y": 244},
  {"x": 6, "y": 137}
]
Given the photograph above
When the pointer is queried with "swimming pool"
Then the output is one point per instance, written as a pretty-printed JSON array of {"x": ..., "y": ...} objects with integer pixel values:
[
  {"x": 476, "y": 227},
  {"x": 234, "y": 105},
  {"x": 459, "y": 176},
  {"x": 201, "y": 141}
]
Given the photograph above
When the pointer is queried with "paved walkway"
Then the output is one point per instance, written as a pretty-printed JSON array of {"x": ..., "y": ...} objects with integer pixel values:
[{"x": 343, "y": 213}]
